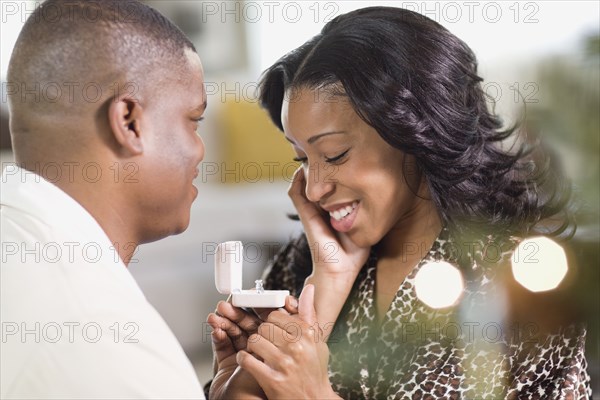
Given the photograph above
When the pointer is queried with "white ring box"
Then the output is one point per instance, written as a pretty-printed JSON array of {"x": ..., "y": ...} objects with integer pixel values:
[{"x": 228, "y": 280}]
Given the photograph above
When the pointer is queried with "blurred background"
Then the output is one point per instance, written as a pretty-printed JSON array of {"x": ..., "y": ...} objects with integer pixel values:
[{"x": 541, "y": 56}]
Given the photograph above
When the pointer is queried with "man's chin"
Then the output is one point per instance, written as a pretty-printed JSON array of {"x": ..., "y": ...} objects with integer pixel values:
[
  {"x": 181, "y": 227},
  {"x": 150, "y": 237}
]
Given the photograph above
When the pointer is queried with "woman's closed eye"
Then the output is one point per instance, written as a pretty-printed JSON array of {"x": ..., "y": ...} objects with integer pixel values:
[
  {"x": 337, "y": 158},
  {"x": 331, "y": 160},
  {"x": 302, "y": 160}
]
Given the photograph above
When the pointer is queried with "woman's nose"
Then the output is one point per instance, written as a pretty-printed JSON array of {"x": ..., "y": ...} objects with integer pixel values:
[{"x": 319, "y": 181}]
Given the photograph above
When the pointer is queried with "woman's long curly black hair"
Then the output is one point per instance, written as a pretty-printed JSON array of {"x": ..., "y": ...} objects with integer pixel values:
[{"x": 417, "y": 85}]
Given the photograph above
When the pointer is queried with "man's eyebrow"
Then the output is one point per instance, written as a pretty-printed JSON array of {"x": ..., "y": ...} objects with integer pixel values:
[{"x": 201, "y": 107}]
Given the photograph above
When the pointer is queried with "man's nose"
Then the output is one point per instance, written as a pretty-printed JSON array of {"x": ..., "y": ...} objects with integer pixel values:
[{"x": 200, "y": 149}]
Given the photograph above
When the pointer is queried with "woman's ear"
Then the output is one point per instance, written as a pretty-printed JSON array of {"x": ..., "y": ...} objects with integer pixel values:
[{"x": 124, "y": 113}]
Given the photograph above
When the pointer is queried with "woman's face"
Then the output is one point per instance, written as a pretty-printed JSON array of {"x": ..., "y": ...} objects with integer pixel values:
[{"x": 365, "y": 186}]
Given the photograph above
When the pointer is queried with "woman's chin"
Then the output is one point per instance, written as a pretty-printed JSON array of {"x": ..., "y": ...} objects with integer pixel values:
[{"x": 359, "y": 239}]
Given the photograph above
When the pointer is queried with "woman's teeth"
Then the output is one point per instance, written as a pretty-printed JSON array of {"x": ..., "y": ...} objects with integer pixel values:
[{"x": 343, "y": 212}]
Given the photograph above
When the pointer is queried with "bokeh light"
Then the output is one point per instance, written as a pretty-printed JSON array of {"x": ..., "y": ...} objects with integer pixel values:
[
  {"x": 539, "y": 264},
  {"x": 439, "y": 284}
]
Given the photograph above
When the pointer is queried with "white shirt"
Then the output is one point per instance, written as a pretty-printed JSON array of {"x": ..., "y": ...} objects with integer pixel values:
[{"x": 75, "y": 324}]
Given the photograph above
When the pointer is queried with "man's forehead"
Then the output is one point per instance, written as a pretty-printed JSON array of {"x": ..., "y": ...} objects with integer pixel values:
[
  {"x": 194, "y": 63},
  {"x": 193, "y": 82}
]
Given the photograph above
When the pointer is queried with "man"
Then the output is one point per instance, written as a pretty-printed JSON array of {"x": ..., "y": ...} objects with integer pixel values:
[{"x": 105, "y": 99}]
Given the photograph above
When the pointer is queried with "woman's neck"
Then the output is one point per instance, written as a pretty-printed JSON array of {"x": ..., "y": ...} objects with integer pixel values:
[{"x": 412, "y": 236}]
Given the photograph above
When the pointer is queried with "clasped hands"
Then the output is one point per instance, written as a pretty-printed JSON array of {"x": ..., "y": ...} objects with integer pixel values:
[{"x": 275, "y": 354}]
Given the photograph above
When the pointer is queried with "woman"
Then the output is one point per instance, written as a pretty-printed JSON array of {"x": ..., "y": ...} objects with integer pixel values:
[{"x": 403, "y": 164}]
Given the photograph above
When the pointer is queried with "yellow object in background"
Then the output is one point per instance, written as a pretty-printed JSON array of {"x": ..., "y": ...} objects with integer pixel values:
[{"x": 253, "y": 149}]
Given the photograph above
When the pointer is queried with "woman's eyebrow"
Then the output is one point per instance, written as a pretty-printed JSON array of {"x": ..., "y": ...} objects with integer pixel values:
[{"x": 314, "y": 138}]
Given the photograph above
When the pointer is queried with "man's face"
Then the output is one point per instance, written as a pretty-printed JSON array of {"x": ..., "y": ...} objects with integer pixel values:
[{"x": 172, "y": 151}]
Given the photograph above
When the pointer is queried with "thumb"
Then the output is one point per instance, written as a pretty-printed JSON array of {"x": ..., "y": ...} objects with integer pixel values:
[{"x": 306, "y": 306}]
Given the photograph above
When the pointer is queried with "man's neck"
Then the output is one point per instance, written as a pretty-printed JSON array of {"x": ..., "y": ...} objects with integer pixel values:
[{"x": 91, "y": 186}]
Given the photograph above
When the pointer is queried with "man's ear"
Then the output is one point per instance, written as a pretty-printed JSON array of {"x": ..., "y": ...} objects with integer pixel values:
[{"x": 124, "y": 115}]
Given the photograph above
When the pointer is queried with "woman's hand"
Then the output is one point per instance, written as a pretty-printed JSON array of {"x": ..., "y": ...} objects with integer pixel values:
[
  {"x": 336, "y": 259},
  {"x": 294, "y": 353}
]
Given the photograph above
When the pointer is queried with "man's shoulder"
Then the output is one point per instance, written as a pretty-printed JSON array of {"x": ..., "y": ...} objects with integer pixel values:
[
  {"x": 94, "y": 366},
  {"x": 76, "y": 338}
]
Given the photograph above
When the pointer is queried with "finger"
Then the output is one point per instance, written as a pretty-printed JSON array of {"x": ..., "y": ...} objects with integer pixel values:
[
  {"x": 291, "y": 324},
  {"x": 247, "y": 322},
  {"x": 264, "y": 349},
  {"x": 263, "y": 313},
  {"x": 278, "y": 336},
  {"x": 231, "y": 328},
  {"x": 237, "y": 336},
  {"x": 222, "y": 345},
  {"x": 221, "y": 301},
  {"x": 258, "y": 369},
  {"x": 314, "y": 219},
  {"x": 297, "y": 189},
  {"x": 291, "y": 305},
  {"x": 306, "y": 308},
  {"x": 297, "y": 193},
  {"x": 348, "y": 245},
  {"x": 306, "y": 319},
  {"x": 307, "y": 210}
]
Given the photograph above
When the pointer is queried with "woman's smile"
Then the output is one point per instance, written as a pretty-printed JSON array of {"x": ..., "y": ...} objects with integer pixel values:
[{"x": 342, "y": 216}]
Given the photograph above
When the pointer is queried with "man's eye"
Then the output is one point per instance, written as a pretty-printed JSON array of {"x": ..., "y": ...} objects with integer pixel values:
[
  {"x": 197, "y": 121},
  {"x": 336, "y": 158}
]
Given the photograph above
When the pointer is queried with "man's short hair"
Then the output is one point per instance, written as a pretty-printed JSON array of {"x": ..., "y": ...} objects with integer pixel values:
[{"x": 69, "y": 50}]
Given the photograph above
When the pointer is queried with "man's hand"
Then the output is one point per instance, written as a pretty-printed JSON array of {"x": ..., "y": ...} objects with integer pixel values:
[{"x": 230, "y": 381}]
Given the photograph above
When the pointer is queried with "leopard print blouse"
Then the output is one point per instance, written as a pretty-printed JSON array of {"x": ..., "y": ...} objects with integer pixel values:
[{"x": 461, "y": 352}]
